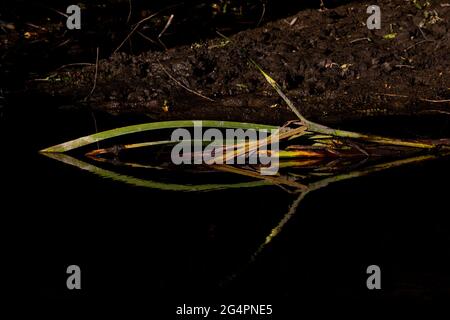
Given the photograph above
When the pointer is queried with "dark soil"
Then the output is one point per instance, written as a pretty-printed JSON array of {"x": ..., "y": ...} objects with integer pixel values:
[{"x": 331, "y": 66}]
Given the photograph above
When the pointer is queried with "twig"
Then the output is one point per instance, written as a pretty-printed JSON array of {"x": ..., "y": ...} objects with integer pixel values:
[
  {"x": 262, "y": 14},
  {"x": 293, "y": 21},
  {"x": 58, "y": 12},
  {"x": 421, "y": 99},
  {"x": 404, "y": 66},
  {"x": 182, "y": 85},
  {"x": 417, "y": 43},
  {"x": 423, "y": 34},
  {"x": 134, "y": 29},
  {"x": 90, "y": 94},
  {"x": 392, "y": 95},
  {"x": 94, "y": 119},
  {"x": 95, "y": 76},
  {"x": 35, "y": 26},
  {"x": 129, "y": 11},
  {"x": 76, "y": 64},
  {"x": 360, "y": 39},
  {"x": 62, "y": 44},
  {"x": 169, "y": 22},
  {"x": 145, "y": 37},
  {"x": 436, "y": 101}
]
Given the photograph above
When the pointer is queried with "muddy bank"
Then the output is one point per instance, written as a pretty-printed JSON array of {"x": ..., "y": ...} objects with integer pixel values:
[{"x": 328, "y": 62}]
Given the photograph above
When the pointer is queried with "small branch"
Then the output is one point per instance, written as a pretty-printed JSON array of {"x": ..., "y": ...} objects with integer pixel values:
[
  {"x": 129, "y": 11},
  {"x": 417, "y": 43},
  {"x": 360, "y": 39},
  {"x": 404, "y": 66},
  {"x": 75, "y": 65},
  {"x": 392, "y": 95},
  {"x": 169, "y": 22},
  {"x": 262, "y": 15},
  {"x": 134, "y": 29},
  {"x": 145, "y": 37},
  {"x": 182, "y": 85},
  {"x": 436, "y": 101},
  {"x": 95, "y": 76},
  {"x": 421, "y": 99}
]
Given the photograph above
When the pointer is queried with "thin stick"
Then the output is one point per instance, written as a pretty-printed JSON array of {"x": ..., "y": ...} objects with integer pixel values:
[
  {"x": 134, "y": 29},
  {"x": 62, "y": 43},
  {"x": 404, "y": 66},
  {"x": 90, "y": 94},
  {"x": 182, "y": 85},
  {"x": 392, "y": 95},
  {"x": 417, "y": 43},
  {"x": 75, "y": 64},
  {"x": 58, "y": 12},
  {"x": 423, "y": 34},
  {"x": 129, "y": 11},
  {"x": 435, "y": 101},
  {"x": 169, "y": 22},
  {"x": 359, "y": 39},
  {"x": 262, "y": 15},
  {"x": 95, "y": 76},
  {"x": 164, "y": 30},
  {"x": 94, "y": 119},
  {"x": 293, "y": 21},
  {"x": 145, "y": 37},
  {"x": 35, "y": 26},
  {"x": 421, "y": 99}
]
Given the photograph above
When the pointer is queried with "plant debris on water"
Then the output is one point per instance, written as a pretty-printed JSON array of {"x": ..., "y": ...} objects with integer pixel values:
[{"x": 322, "y": 150}]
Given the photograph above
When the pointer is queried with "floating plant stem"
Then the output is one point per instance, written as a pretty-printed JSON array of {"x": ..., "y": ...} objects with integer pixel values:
[{"x": 104, "y": 135}]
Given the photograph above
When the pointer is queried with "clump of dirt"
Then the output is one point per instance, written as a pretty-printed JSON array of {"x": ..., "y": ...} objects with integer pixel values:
[{"x": 328, "y": 62}]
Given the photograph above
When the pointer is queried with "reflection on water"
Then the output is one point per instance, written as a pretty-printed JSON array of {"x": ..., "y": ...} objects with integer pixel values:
[
  {"x": 328, "y": 174},
  {"x": 139, "y": 234}
]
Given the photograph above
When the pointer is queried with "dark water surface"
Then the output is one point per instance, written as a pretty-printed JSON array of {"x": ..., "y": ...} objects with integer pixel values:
[{"x": 159, "y": 249}]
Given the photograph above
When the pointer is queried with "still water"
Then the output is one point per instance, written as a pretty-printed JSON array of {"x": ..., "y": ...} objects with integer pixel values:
[{"x": 160, "y": 249}]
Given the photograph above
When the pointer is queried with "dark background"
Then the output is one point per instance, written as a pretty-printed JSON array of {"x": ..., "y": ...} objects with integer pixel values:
[{"x": 150, "y": 251}]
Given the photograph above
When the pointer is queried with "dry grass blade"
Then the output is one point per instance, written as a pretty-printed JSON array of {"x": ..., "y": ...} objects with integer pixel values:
[{"x": 249, "y": 147}]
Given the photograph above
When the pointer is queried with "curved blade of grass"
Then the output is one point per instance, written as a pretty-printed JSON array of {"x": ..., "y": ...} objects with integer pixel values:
[
  {"x": 108, "y": 174},
  {"x": 104, "y": 135}
]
